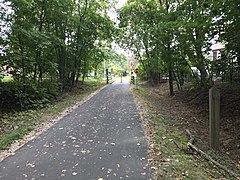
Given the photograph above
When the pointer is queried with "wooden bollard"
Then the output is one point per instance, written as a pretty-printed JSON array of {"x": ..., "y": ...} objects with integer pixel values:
[{"x": 214, "y": 118}]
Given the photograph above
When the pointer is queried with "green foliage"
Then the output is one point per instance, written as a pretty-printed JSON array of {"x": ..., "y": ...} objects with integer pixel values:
[
  {"x": 50, "y": 87},
  {"x": 171, "y": 37},
  {"x": 54, "y": 39},
  {"x": 10, "y": 137},
  {"x": 1, "y": 75},
  {"x": 47, "y": 43},
  {"x": 168, "y": 136},
  {"x": 227, "y": 24},
  {"x": 15, "y": 95}
]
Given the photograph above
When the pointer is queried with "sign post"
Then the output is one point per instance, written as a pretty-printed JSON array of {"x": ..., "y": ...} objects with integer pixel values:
[
  {"x": 136, "y": 71},
  {"x": 214, "y": 118},
  {"x": 107, "y": 75}
]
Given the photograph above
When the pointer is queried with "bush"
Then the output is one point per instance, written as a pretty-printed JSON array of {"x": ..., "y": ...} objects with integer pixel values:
[
  {"x": 15, "y": 95},
  {"x": 51, "y": 88},
  {"x": 1, "y": 75}
]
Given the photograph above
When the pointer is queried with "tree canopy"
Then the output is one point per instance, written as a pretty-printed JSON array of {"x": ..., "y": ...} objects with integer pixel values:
[
  {"x": 63, "y": 40},
  {"x": 47, "y": 46},
  {"x": 170, "y": 37},
  {"x": 55, "y": 39}
]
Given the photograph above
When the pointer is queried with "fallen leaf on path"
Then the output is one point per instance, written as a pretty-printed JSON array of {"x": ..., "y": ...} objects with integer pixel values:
[
  {"x": 85, "y": 151},
  {"x": 74, "y": 173},
  {"x": 71, "y": 137},
  {"x": 153, "y": 168},
  {"x": 109, "y": 171},
  {"x": 31, "y": 165},
  {"x": 64, "y": 170}
]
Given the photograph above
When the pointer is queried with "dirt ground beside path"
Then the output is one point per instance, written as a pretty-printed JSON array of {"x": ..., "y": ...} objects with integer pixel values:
[
  {"x": 189, "y": 109},
  {"x": 192, "y": 105}
]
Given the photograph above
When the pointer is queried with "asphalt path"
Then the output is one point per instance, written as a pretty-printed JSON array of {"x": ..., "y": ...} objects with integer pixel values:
[{"x": 101, "y": 139}]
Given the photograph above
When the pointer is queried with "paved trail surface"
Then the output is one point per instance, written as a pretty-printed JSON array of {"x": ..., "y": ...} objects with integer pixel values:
[{"x": 101, "y": 139}]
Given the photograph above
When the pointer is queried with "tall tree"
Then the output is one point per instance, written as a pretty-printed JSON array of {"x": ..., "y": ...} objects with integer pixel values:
[{"x": 54, "y": 38}]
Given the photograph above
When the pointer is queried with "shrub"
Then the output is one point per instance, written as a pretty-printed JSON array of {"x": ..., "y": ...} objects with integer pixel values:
[{"x": 15, "y": 95}]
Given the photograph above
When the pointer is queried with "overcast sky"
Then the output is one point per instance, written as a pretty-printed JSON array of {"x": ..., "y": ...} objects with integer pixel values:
[
  {"x": 113, "y": 16},
  {"x": 121, "y": 3}
]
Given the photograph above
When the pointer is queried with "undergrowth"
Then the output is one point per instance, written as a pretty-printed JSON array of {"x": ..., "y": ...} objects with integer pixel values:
[{"x": 174, "y": 162}]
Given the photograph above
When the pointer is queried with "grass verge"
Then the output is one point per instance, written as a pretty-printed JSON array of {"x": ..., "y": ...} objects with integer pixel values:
[
  {"x": 164, "y": 135},
  {"x": 15, "y": 125}
]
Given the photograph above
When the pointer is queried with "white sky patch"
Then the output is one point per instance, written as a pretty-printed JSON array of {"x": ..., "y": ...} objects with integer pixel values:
[
  {"x": 5, "y": 26},
  {"x": 119, "y": 50},
  {"x": 121, "y": 3},
  {"x": 6, "y": 11},
  {"x": 112, "y": 12},
  {"x": 114, "y": 16}
]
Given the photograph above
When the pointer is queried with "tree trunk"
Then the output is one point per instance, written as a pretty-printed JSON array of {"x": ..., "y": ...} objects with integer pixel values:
[
  {"x": 39, "y": 49},
  {"x": 35, "y": 72},
  {"x": 170, "y": 72},
  {"x": 40, "y": 75},
  {"x": 77, "y": 78},
  {"x": 238, "y": 68},
  {"x": 200, "y": 59},
  {"x": 73, "y": 78},
  {"x": 170, "y": 69},
  {"x": 177, "y": 79}
]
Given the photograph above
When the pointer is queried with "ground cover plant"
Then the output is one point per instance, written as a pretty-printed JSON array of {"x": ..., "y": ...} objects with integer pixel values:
[{"x": 166, "y": 120}]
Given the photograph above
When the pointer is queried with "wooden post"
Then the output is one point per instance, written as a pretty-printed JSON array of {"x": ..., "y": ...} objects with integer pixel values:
[
  {"x": 214, "y": 118},
  {"x": 121, "y": 77},
  {"x": 136, "y": 82}
]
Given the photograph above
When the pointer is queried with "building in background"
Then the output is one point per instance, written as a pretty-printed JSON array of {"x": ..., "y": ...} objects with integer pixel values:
[{"x": 216, "y": 51}]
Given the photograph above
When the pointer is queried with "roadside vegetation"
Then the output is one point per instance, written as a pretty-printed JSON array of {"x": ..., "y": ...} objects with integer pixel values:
[
  {"x": 49, "y": 51},
  {"x": 166, "y": 120},
  {"x": 175, "y": 45},
  {"x": 173, "y": 40},
  {"x": 50, "y": 47},
  {"x": 15, "y": 124}
]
